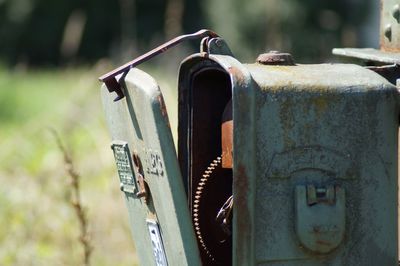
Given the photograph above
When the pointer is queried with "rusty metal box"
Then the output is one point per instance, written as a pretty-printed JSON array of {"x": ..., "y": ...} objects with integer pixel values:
[{"x": 315, "y": 158}]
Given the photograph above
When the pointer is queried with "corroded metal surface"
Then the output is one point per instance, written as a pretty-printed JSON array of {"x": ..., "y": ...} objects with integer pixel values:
[
  {"x": 330, "y": 126},
  {"x": 275, "y": 58},
  {"x": 325, "y": 125}
]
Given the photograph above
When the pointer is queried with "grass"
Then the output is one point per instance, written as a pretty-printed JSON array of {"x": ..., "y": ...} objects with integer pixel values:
[{"x": 37, "y": 224}]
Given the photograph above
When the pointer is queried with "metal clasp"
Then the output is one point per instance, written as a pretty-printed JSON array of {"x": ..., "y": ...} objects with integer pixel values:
[
  {"x": 320, "y": 217},
  {"x": 143, "y": 187}
]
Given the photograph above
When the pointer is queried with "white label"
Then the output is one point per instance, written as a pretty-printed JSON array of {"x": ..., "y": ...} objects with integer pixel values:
[{"x": 156, "y": 242}]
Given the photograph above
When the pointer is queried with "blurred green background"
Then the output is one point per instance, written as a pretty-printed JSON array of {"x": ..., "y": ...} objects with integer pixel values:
[{"x": 51, "y": 53}]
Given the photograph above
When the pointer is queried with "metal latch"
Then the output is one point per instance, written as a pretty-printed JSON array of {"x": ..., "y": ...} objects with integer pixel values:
[
  {"x": 142, "y": 193},
  {"x": 320, "y": 217},
  {"x": 110, "y": 78}
]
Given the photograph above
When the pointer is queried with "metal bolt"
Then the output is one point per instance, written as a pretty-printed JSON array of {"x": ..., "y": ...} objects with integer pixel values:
[
  {"x": 388, "y": 31},
  {"x": 396, "y": 12},
  {"x": 275, "y": 58}
]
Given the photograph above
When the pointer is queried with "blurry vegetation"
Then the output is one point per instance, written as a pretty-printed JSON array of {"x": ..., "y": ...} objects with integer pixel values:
[
  {"x": 37, "y": 32},
  {"x": 76, "y": 200},
  {"x": 309, "y": 29},
  {"x": 79, "y": 37},
  {"x": 37, "y": 226}
]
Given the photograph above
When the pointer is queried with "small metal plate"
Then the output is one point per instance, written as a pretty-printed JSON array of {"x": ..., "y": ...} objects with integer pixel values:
[
  {"x": 156, "y": 242},
  {"x": 124, "y": 166}
]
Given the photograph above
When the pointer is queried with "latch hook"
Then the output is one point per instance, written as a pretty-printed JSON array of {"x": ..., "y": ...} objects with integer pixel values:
[{"x": 112, "y": 83}]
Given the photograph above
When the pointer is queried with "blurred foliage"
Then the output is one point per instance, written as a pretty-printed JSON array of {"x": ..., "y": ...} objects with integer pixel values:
[
  {"x": 45, "y": 32},
  {"x": 309, "y": 29},
  {"x": 37, "y": 223}
]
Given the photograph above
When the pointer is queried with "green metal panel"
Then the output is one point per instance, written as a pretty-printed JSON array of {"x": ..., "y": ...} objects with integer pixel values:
[
  {"x": 139, "y": 124},
  {"x": 321, "y": 125}
]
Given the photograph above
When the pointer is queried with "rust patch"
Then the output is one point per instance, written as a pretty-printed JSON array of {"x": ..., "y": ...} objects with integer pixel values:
[
  {"x": 227, "y": 144},
  {"x": 163, "y": 109},
  {"x": 286, "y": 116},
  {"x": 321, "y": 105},
  {"x": 389, "y": 49},
  {"x": 237, "y": 74},
  {"x": 275, "y": 58},
  {"x": 162, "y": 105}
]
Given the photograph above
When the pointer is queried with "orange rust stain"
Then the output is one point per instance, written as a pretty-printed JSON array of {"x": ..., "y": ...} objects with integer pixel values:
[
  {"x": 163, "y": 108},
  {"x": 235, "y": 72},
  {"x": 227, "y": 144},
  {"x": 162, "y": 105},
  {"x": 388, "y": 48}
]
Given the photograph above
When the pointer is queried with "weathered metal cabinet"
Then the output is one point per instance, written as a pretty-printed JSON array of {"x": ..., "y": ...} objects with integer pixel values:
[{"x": 314, "y": 161}]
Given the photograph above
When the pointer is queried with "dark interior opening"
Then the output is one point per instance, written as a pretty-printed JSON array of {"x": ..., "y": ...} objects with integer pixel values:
[{"x": 211, "y": 91}]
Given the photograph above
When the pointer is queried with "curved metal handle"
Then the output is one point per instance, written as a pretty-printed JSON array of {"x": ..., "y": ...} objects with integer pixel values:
[{"x": 109, "y": 78}]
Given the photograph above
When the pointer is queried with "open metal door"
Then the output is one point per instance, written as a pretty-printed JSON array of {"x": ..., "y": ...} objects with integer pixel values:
[{"x": 149, "y": 172}]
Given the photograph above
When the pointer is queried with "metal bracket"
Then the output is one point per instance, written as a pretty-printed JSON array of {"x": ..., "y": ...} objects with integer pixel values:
[
  {"x": 143, "y": 188},
  {"x": 215, "y": 46},
  {"x": 110, "y": 78},
  {"x": 389, "y": 38}
]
